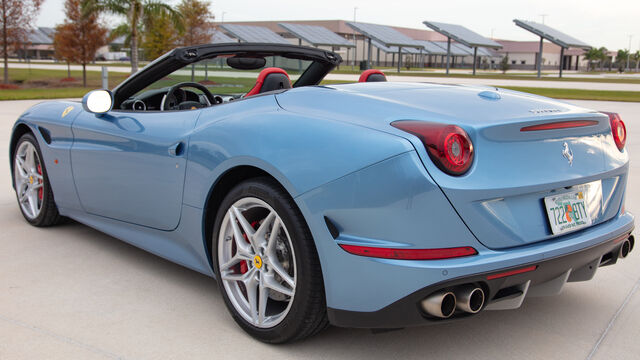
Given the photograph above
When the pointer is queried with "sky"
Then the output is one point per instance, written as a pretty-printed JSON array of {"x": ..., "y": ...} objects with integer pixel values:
[{"x": 596, "y": 22}]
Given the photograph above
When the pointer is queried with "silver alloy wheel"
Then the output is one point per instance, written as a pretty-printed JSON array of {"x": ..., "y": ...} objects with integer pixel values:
[
  {"x": 29, "y": 181},
  {"x": 257, "y": 262}
]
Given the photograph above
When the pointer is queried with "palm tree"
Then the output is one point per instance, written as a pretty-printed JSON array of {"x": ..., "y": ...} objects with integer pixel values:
[
  {"x": 636, "y": 58},
  {"x": 595, "y": 55},
  {"x": 137, "y": 13}
]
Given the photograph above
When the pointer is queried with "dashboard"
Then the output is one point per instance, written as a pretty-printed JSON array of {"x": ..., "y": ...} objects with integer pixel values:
[{"x": 151, "y": 100}]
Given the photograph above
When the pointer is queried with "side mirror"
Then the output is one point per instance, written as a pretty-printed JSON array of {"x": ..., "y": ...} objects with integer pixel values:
[{"x": 98, "y": 101}]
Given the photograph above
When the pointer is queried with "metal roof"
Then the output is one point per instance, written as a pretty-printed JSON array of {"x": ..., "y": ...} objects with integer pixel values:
[
  {"x": 316, "y": 35},
  {"x": 394, "y": 49},
  {"x": 551, "y": 34},
  {"x": 385, "y": 35},
  {"x": 220, "y": 37},
  {"x": 257, "y": 34},
  {"x": 455, "y": 49},
  {"x": 41, "y": 35},
  {"x": 462, "y": 35}
]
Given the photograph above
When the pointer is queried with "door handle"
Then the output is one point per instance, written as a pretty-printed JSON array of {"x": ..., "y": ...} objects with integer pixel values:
[{"x": 176, "y": 149}]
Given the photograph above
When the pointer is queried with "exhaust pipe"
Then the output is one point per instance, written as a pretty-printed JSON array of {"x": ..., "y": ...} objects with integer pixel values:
[
  {"x": 470, "y": 299},
  {"x": 625, "y": 248},
  {"x": 632, "y": 241},
  {"x": 441, "y": 304}
]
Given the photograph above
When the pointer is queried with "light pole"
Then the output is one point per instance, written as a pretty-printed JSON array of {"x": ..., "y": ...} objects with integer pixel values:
[
  {"x": 222, "y": 17},
  {"x": 629, "y": 52},
  {"x": 355, "y": 48},
  {"x": 543, "y": 16}
]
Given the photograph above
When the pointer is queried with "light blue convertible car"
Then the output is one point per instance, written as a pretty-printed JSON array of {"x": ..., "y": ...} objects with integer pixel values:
[{"x": 373, "y": 204}]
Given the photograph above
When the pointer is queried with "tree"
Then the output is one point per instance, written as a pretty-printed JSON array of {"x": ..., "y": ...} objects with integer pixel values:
[
  {"x": 621, "y": 59},
  {"x": 160, "y": 36},
  {"x": 79, "y": 37},
  {"x": 17, "y": 18},
  {"x": 136, "y": 12},
  {"x": 636, "y": 58},
  {"x": 504, "y": 63},
  {"x": 197, "y": 20}
]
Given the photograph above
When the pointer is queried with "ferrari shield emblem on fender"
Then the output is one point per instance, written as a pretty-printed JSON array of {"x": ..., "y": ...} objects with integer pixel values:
[
  {"x": 67, "y": 111},
  {"x": 567, "y": 153}
]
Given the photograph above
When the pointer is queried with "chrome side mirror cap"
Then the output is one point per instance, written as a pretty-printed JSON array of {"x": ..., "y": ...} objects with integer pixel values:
[{"x": 98, "y": 101}]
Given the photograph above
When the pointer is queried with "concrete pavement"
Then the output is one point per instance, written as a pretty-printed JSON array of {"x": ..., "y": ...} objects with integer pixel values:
[{"x": 70, "y": 292}]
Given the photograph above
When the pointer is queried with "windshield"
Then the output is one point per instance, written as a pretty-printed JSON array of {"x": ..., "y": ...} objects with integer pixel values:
[{"x": 221, "y": 79}]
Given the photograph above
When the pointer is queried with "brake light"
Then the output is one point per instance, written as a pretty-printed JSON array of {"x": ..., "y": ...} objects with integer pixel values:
[
  {"x": 618, "y": 130},
  {"x": 448, "y": 146},
  {"x": 409, "y": 254}
]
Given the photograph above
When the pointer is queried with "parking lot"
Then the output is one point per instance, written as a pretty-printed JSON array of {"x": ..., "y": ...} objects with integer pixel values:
[{"x": 70, "y": 292}]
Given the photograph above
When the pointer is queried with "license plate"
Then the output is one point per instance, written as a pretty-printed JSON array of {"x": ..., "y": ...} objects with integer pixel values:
[{"x": 569, "y": 211}]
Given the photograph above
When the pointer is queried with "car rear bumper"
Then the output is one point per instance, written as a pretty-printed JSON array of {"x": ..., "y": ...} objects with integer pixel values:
[{"x": 504, "y": 288}]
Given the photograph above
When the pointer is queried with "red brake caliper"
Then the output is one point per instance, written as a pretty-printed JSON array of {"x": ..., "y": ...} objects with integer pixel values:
[
  {"x": 40, "y": 191},
  {"x": 243, "y": 264}
]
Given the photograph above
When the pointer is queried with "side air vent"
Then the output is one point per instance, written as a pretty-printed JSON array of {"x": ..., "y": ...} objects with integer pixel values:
[{"x": 46, "y": 135}]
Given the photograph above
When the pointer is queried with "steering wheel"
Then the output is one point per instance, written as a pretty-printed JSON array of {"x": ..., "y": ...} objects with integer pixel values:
[{"x": 170, "y": 100}]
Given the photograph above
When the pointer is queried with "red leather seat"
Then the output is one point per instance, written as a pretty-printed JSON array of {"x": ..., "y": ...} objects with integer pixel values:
[
  {"x": 270, "y": 79},
  {"x": 372, "y": 75}
]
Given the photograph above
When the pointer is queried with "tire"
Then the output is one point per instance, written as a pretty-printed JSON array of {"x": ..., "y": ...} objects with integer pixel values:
[
  {"x": 31, "y": 183},
  {"x": 290, "y": 312}
]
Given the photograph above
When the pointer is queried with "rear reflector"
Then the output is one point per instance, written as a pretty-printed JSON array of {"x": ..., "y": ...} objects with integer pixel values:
[
  {"x": 409, "y": 254},
  {"x": 560, "y": 125},
  {"x": 512, "y": 272}
]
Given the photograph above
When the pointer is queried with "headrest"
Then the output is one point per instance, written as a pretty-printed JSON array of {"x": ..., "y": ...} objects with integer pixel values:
[
  {"x": 372, "y": 75},
  {"x": 270, "y": 79}
]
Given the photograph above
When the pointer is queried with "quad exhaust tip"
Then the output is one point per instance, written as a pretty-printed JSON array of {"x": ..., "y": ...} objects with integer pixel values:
[
  {"x": 470, "y": 299},
  {"x": 441, "y": 304}
]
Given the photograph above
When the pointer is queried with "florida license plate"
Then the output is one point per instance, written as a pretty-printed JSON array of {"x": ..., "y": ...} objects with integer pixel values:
[{"x": 569, "y": 211}]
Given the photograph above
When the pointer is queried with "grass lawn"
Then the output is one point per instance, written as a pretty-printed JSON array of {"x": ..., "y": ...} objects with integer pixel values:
[
  {"x": 579, "y": 94},
  {"x": 52, "y": 84}
]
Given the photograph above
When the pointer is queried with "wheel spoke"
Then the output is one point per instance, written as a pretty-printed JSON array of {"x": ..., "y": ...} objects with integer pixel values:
[
  {"x": 234, "y": 261},
  {"x": 263, "y": 298},
  {"x": 33, "y": 202},
  {"x": 260, "y": 234},
  {"x": 36, "y": 186},
  {"x": 271, "y": 283},
  {"x": 241, "y": 245},
  {"x": 238, "y": 277},
  {"x": 275, "y": 265},
  {"x": 252, "y": 296},
  {"x": 248, "y": 229},
  {"x": 29, "y": 161},
  {"x": 22, "y": 171},
  {"x": 271, "y": 243}
]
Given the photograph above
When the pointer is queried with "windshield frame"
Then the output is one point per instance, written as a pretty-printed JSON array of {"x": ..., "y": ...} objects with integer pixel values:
[{"x": 323, "y": 62}]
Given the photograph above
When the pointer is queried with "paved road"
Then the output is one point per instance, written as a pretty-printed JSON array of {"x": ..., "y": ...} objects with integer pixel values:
[
  {"x": 70, "y": 292},
  {"x": 349, "y": 78}
]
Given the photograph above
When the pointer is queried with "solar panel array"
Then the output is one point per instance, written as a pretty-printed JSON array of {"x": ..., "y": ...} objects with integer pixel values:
[
  {"x": 394, "y": 49},
  {"x": 481, "y": 50},
  {"x": 220, "y": 37},
  {"x": 455, "y": 49},
  {"x": 462, "y": 35},
  {"x": 385, "y": 35},
  {"x": 316, "y": 35},
  {"x": 551, "y": 34},
  {"x": 41, "y": 35},
  {"x": 259, "y": 34}
]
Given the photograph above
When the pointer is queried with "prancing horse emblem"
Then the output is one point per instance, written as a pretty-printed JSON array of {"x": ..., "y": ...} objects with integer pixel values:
[{"x": 567, "y": 153}]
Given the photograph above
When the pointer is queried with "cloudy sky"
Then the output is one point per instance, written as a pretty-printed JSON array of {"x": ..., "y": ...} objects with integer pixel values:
[{"x": 596, "y": 22}]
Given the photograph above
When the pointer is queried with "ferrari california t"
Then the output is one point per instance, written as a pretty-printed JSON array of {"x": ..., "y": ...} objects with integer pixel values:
[{"x": 371, "y": 204}]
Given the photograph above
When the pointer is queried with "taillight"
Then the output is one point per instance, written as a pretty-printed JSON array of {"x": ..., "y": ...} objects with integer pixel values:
[
  {"x": 618, "y": 130},
  {"x": 448, "y": 146}
]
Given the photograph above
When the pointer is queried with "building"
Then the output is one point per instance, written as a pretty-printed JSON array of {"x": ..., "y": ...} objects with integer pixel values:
[{"x": 524, "y": 55}]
